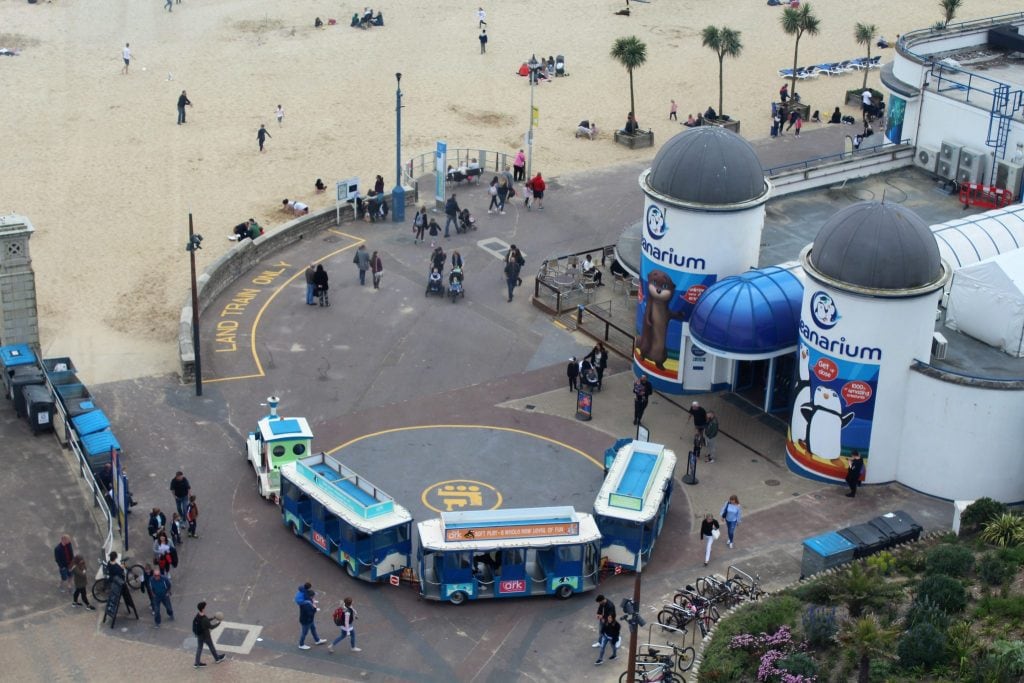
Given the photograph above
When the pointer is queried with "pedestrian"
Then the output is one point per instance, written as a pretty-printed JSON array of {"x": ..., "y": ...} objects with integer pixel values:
[
  {"x": 181, "y": 489},
  {"x": 481, "y": 17},
  {"x": 492, "y": 190},
  {"x": 176, "y": 526},
  {"x": 279, "y": 113},
  {"x": 362, "y": 261},
  {"x": 160, "y": 593},
  {"x": 457, "y": 260},
  {"x": 673, "y": 108},
  {"x": 377, "y": 268},
  {"x": 378, "y": 185},
  {"x": 310, "y": 286},
  {"x": 519, "y": 166},
  {"x": 605, "y": 609},
  {"x": 642, "y": 390},
  {"x": 261, "y": 136},
  {"x": 798, "y": 124},
  {"x": 483, "y": 41},
  {"x": 451, "y": 210},
  {"x": 147, "y": 576},
  {"x": 168, "y": 6},
  {"x": 699, "y": 417},
  {"x": 708, "y": 533},
  {"x": 853, "y": 474},
  {"x": 505, "y": 190},
  {"x": 201, "y": 627},
  {"x": 711, "y": 434},
  {"x": 776, "y": 123},
  {"x": 419, "y": 224},
  {"x": 183, "y": 100},
  {"x": 126, "y": 55},
  {"x": 192, "y": 516},
  {"x": 345, "y": 617},
  {"x": 164, "y": 553},
  {"x": 537, "y": 186},
  {"x": 610, "y": 632},
  {"x": 515, "y": 255},
  {"x": 320, "y": 283},
  {"x": 784, "y": 93},
  {"x": 572, "y": 371},
  {"x": 157, "y": 522},
  {"x": 64, "y": 556},
  {"x": 307, "y": 619},
  {"x": 437, "y": 259},
  {"x": 81, "y": 578},
  {"x": 599, "y": 359},
  {"x": 731, "y": 513},
  {"x": 434, "y": 229},
  {"x": 512, "y": 268}
]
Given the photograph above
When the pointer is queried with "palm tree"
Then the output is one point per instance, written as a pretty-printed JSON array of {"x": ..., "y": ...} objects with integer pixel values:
[
  {"x": 865, "y": 35},
  {"x": 797, "y": 22},
  {"x": 870, "y": 641},
  {"x": 631, "y": 53},
  {"x": 949, "y": 8},
  {"x": 726, "y": 43}
]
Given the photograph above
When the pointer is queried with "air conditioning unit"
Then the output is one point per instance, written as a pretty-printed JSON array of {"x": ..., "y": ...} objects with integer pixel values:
[
  {"x": 949, "y": 159},
  {"x": 939, "y": 344},
  {"x": 926, "y": 158},
  {"x": 1008, "y": 176},
  {"x": 972, "y": 166}
]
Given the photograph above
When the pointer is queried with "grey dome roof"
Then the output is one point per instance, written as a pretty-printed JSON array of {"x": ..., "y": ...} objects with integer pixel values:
[
  {"x": 877, "y": 245},
  {"x": 707, "y": 165}
]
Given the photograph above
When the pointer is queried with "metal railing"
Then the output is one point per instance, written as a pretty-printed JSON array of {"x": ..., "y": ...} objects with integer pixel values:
[
  {"x": 489, "y": 160},
  {"x": 907, "y": 39},
  {"x": 839, "y": 156}
]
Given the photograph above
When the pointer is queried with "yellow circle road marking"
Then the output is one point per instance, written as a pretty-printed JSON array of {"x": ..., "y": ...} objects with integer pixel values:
[{"x": 464, "y": 494}]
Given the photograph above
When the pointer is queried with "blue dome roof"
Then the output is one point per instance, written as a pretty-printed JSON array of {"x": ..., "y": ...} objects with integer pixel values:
[{"x": 749, "y": 316}]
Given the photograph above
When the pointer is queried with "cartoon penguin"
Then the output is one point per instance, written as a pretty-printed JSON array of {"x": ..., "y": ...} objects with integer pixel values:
[
  {"x": 652, "y": 342},
  {"x": 824, "y": 422},
  {"x": 797, "y": 422}
]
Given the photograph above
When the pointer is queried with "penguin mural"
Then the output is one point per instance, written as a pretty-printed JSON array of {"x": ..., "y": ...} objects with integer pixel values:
[
  {"x": 825, "y": 421},
  {"x": 797, "y": 422}
]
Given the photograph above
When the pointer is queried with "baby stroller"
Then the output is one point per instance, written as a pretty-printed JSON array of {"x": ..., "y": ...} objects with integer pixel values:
[
  {"x": 466, "y": 222},
  {"x": 434, "y": 285},
  {"x": 455, "y": 287},
  {"x": 560, "y": 66}
]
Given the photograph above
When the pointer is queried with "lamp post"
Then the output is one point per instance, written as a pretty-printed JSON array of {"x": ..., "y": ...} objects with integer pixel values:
[
  {"x": 194, "y": 240},
  {"x": 398, "y": 194},
  {"x": 534, "y": 66}
]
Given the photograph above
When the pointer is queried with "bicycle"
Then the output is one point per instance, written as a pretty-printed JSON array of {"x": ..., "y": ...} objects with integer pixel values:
[
  {"x": 652, "y": 673},
  {"x": 724, "y": 592},
  {"x": 682, "y": 657},
  {"x": 745, "y": 585},
  {"x": 134, "y": 576}
]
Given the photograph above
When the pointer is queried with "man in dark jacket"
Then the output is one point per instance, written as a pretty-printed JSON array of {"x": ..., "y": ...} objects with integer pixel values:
[
  {"x": 642, "y": 390},
  {"x": 572, "y": 370},
  {"x": 63, "y": 554},
  {"x": 159, "y": 587},
  {"x": 511, "y": 276},
  {"x": 307, "y": 619},
  {"x": 451, "y": 210},
  {"x": 854, "y": 473},
  {"x": 180, "y": 488},
  {"x": 201, "y": 627},
  {"x": 699, "y": 415}
]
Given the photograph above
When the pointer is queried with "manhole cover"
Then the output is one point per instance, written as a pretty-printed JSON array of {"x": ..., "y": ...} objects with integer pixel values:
[
  {"x": 530, "y": 406},
  {"x": 331, "y": 239},
  {"x": 232, "y": 636},
  {"x": 772, "y": 482}
]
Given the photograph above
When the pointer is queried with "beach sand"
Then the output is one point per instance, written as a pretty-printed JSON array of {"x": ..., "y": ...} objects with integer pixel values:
[{"x": 95, "y": 160}]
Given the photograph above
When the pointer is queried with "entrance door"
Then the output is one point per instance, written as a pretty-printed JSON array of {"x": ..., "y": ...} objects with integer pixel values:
[
  {"x": 783, "y": 382},
  {"x": 752, "y": 381}
]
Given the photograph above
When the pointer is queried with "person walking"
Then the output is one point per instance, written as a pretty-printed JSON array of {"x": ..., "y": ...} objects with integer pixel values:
[
  {"x": 181, "y": 490},
  {"x": 519, "y": 166},
  {"x": 362, "y": 261},
  {"x": 451, "y": 210},
  {"x": 673, "y": 108},
  {"x": 183, "y": 100},
  {"x": 515, "y": 255},
  {"x": 505, "y": 182},
  {"x": 157, "y": 522},
  {"x": 611, "y": 631},
  {"x": 481, "y": 18},
  {"x": 599, "y": 359},
  {"x": 483, "y": 41},
  {"x": 64, "y": 556},
  {"x": 279, "y": 113},
  {"x": 798, "y": 124},
  {"x": 126, "y": 55},
  {"x": 202, "y": 625},
  {"x": 853, "y": 474},
  {"x": 708, "y": 533},
  {"x": 512, "y": 268},
  {"x": 642, "y": 390},
  {"x": 192, "y": 516},
  {"x": 710, "y": 435},
  {"x": 732, "y": 513},
  {"x": 345, "y": 617},
  {"x": 699, "y": 416},
  {"x": 81, "y": 580},
  {"x": 419, "y": 224},
  {"x": 784, "y": 93},
  {"x": 168, "y": 6},
  {"x": 492, "y": 190},
  {"x": 261, "y": 136},
  {"x": 321, "y": 285},
  {"x": 457, "y": 260},
  {"x": 160, "y": 594},
  {"x": 605, "y": 609},
  {"x": 537, "y": 187},
  {"x": 377, "y": 268},
  {"x": 572, "y": 371},
  {"x": 794, "y": 116},
  {"x": 307, "y": 620},
  {"x": 310, "y": 286}
]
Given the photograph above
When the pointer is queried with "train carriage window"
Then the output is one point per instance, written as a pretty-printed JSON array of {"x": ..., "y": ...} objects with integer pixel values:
[
  {"x": 513, "y": 556},
  {"x": 278, "y": 451},
  {"x": 569, "y": 553},
  {"x": 299, "y": 448}
]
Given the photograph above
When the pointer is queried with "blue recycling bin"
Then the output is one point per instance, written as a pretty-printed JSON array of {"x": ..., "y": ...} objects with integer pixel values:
[{"x": 824, "y": 552}]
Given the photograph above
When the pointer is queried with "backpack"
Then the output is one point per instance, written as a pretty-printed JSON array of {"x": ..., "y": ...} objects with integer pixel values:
[
  {"x": 711, "y": 430},
  {"x": 339, "y": 616},
  {"x": 196, "y": 625}
]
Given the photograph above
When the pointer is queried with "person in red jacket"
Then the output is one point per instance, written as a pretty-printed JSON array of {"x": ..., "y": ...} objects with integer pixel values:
[{"x": 537, "y": 185}]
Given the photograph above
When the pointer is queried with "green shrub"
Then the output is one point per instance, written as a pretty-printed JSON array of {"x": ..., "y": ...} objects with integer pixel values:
[
  {"x": 980, "y": 512},
  {"x": 910, "y": 563},
  {"x": 798, "y": 664},
  {"x": 1014, "y": 555},
  {"x": 922, "y": 645},
  {"x": 1010, "y": 657},
  {"x": 1011, "y": 608},
  {"x": 995, "y": 571},
  {"x": 818, "y": 591},
  {"x": 883, "y": 563},
  {"x": 820, "y": 626},
  {"x": 947, "y": 593},
  {"x": 1004, "y": 531},
  {"x": 951, "y": 560},
  {"x": 722, "y": 664},
  {"x": 925, "y": 611}
]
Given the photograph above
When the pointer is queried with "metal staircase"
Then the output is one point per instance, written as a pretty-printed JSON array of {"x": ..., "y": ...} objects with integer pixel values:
[{"x": 1004, "y": 105}]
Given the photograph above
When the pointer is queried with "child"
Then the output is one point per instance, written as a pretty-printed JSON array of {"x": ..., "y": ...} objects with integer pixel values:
[
  {"x": 192, "y": 515},
  {"x": 81, "y": 577},
  {"x": 176, "y": 526}
]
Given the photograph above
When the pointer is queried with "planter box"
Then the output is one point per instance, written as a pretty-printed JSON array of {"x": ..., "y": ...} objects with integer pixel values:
[
  {"x": 731, "y": 124},
  {"x": 790, "y": 107},
  {"x": 643, "y": 138}
]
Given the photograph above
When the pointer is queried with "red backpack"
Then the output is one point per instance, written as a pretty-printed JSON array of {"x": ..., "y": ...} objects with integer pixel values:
[{"x": 339, "y": 616}]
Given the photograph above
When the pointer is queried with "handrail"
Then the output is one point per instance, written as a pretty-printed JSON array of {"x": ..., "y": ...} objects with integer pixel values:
[
  {"x": 489, "y": 160},
  {"x": 960, "y": 27},
  {"x": 608, "y": 327},
  {"x": 839, "y": 156},
  {"x": 943, "y": 374}
]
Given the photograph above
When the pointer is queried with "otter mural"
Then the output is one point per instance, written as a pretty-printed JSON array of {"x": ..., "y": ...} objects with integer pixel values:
[{"x": 652, "y": 342}]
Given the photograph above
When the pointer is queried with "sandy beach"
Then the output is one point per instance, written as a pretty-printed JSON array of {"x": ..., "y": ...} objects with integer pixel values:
[{"x": 95, "y": 159}]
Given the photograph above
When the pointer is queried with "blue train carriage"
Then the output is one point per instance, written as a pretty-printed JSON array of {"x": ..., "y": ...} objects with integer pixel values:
[
  {"x": 508, "y": 553},
  {"x": 346, "y": 517},
  {"x": 276, "y": 442},
  {"x": 632, "y": 503}
]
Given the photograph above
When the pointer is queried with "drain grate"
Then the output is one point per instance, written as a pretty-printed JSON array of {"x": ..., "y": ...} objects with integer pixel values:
[
  {"x": 530, "y": 406},
  {"x": 772, "y": 482}
]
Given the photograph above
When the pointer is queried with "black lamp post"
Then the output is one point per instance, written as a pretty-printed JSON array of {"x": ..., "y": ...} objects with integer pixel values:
[{"x": 194, "y": 241}]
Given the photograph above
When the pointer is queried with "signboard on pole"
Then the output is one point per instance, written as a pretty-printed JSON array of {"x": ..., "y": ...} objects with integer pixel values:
[
  {"x": 440, "y": 170},
  {"x": 536, "y": 116},
  {"x": 584, "y": 405},
  {"x": 347, "y": 191}
]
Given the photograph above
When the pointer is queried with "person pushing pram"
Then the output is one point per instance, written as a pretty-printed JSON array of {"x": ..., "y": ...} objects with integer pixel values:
[{"x": 466, "y": 222}]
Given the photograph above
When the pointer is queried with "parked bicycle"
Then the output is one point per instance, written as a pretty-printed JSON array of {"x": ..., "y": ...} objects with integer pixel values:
[
  {"x": 134, "y": 575},
  {"x": 681, "y": 657},
  {"x": 746, "y": 586},
  {"x": 718, "y": 592},
  {"x": 651, "y": 673}
]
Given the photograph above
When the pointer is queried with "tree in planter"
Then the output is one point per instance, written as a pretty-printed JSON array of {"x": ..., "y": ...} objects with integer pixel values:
[
  {"x": 726, "y": 43},
  {"x": 865, "y": 35},
  {"x": 631, "y": 53},
  {"x": 870, "y": 640},
  {"x": 1004, "y": 531},
  {"x": 861, "y": 589},
  {"x": 797, "y": 22},
  {"x": 949, "y": 8}
]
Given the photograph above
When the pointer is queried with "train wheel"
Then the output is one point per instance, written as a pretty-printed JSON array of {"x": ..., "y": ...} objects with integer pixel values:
[
  {"x": 458, "y": 597},
  {"x": 295, "y": 529},
  {"x": 563, "y": 592},
  {"x": 350, "y": 571}
]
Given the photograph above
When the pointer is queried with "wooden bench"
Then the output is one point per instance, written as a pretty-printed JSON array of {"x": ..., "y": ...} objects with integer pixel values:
[{"x": 642, "y": 138}]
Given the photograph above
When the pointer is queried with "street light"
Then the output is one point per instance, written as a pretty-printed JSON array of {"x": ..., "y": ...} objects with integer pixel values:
[
  {"x": 194, "y": 242},
  {"x": 398, "y": 194},
  {"x": 534, "y": 67}
]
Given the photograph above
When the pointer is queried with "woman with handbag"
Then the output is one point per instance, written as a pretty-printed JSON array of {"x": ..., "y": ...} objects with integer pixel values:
[
  {"x": 731, "y": 513},
  {"x": 709, "y": 530}
]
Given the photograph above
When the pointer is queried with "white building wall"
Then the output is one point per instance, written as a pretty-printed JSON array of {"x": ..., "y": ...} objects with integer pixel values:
[{"x": 962, "y": 442}]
